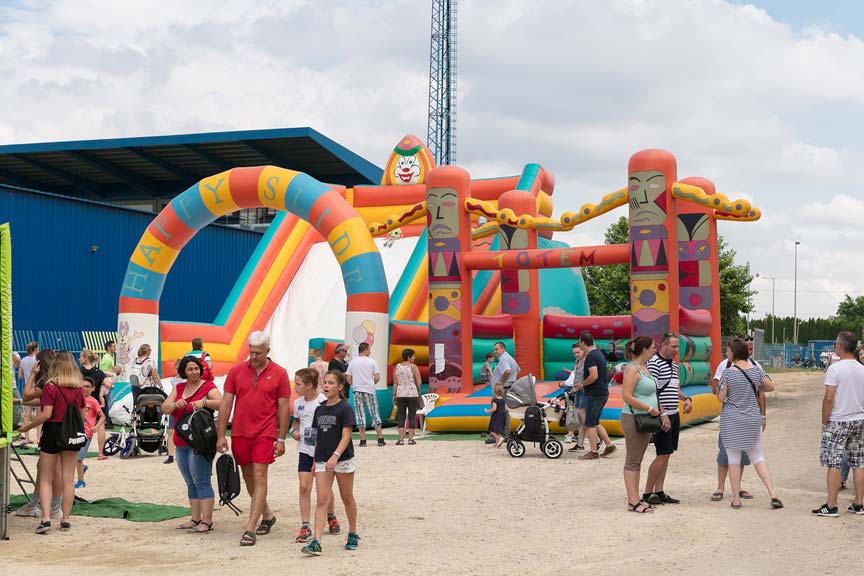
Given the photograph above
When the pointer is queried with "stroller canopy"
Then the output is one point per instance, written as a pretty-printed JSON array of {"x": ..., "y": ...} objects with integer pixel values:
[{"x": 521, "y": 393}]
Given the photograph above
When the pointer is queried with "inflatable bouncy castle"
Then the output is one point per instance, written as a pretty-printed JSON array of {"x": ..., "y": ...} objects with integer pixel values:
[{"x": 436, "y": 261}]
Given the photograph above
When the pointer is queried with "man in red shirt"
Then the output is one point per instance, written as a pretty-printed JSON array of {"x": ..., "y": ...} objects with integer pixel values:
[{"x": 260, "y": 392}]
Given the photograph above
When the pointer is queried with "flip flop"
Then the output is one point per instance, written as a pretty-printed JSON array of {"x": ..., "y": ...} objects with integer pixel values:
[
  {"x": 735, "y": 506},
  {"x": 716, "y": 496},
  {"x": 745, "y": 495},
  {"x": 265, "y": 526},
  {"x": 248, "y": 539},
  {"x": 776, "y": 503}
]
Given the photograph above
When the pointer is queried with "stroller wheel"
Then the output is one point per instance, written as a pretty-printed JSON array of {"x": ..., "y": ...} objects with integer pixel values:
[
  {"x": 112, "y": 445},
  {"x": 552, "y": 448},
  {"x": 516, "y": 448}
]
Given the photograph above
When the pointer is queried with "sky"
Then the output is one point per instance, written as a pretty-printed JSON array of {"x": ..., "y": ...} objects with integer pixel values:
[{"x": 764, "y": 98}]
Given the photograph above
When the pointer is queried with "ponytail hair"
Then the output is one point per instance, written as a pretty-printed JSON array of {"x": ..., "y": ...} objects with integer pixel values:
[{"x": 638, "y": 345}]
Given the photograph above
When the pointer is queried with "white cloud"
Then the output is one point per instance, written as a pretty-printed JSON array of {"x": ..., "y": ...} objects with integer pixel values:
[{"x": 767, "y": 112}]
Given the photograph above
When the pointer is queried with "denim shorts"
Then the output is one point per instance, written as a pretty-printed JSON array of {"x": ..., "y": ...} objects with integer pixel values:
[
  {"x": 342, "y": 467},
  {"x": 593, "y": 409},
  {"x": 579, "y": 399},
  {"x": 83, "y": 452},
  {"x": 305, "y": 463}
]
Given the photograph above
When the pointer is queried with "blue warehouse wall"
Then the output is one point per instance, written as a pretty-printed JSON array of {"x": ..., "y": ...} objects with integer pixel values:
[{"x": 60, "y": 283}]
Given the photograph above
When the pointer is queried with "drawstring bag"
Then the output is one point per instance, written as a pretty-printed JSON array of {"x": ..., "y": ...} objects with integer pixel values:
[
  {"x": 71, "y": 435},
  {"x": 198, "y": 430},
  {"x": 228, "y": 481}
]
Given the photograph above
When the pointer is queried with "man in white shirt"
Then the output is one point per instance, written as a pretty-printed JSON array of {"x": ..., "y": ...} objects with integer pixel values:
[
  {"x": 362, "y": 375},
  {"x": 843, "y": 424}
]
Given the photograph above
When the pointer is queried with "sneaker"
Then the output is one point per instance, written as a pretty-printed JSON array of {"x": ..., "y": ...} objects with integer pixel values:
[
  {"x": 666, "y": 499},
  {"x": 80, "y": 484},
  {"x": 381, "y": 442},
  {"x": 825, "y": 510},
  {"x": 362, "y": 442},
  {"x": 333, "y": 524},
  {"x": 568, "y": 439},
  {"x": 654, "y": 499},
  {"x": 490, "y": 440},
  {"x": 303, "y": 535},
  {"x": 312, "y": 549},
  {"x": 169, "y": 460},
  {"x": 842, "y": 484},
  {"x": 43, "y": 528},
  {"x": 610, "y": 449},
  {"x": 352, "y": 542},
  {"x": 29, "y": 510},
  {"x": 576, "y": 448},
  {"x": 856, "y": 509},
  {"x": 56, "y": 513},
  {"x": 590, "y": 456}
]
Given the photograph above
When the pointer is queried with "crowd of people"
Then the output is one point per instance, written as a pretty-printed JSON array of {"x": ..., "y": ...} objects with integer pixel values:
[{"x": 256, "y": 399}]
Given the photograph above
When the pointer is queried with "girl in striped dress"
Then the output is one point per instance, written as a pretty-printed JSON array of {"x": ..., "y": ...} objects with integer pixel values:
[{"x": 741, "y": 420}]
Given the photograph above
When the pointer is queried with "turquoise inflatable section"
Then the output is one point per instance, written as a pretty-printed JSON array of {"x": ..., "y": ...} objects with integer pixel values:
[{"x": 562, "y": 290}]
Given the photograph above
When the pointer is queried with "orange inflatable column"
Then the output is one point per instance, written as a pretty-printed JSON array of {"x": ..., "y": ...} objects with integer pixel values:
[
  {"x": 449, "y": 236},
  {"x": 520, "y": 290},
  {"x": 699, "y": 262},
  {"x": 653, "y": 244}
]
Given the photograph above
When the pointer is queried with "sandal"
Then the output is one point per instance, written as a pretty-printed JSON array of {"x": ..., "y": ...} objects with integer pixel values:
[
  {"x": 411, "y": 442},
  {"x": 716, "y": 496},
  {"x": 735, "y": 506},
  {"x": 400, "y": 442},
  {"x": 188, "y": 525},
  {"x": 65, "y": 525},
  {"x": 265, "y": 526},
  {"x": 202, "y": 523},
  {"x": 745, "y": 495},
  {"x": 641, "y": 507},
  {"x": 248, "y": 539},
  {"x": 776, "y": 503}
]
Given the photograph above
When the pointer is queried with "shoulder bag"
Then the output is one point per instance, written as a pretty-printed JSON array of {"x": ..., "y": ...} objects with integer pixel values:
[{"x": 645, "y": 423}]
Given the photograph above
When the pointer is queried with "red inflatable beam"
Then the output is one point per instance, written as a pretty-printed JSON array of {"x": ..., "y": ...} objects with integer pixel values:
[
  {"x": 694, "y": 322},
  {"x": 604, "y": 255},
  {"x": 500, "y": 326},
  {"x": 415, "y": 334},
  {"x": 570, "y": 327}
]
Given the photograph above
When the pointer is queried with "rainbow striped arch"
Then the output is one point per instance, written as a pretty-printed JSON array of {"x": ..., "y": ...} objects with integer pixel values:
[{"x": 320, "y": 205}]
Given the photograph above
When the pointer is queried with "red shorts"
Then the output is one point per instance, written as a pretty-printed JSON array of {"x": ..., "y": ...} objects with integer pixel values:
[{"x": 249, "y": 450}]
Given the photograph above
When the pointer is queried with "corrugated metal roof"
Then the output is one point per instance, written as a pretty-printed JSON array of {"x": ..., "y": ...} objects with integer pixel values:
[{"x": 163, "y": 166}]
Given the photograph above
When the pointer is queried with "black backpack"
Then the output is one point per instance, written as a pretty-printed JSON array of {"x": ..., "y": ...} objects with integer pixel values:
[
  {"x": 198, "y": 430},
  {"x": 71, "y": 435},
  {"x": 228, "y": 481},
  {"x": 533, "y": 420}
]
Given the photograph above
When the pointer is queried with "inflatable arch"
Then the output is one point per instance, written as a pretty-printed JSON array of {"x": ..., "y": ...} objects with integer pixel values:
[{"x": 320, "y": 205}]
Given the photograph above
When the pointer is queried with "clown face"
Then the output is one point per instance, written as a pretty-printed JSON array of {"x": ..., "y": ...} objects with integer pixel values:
[{"x": 407, "y": 170}]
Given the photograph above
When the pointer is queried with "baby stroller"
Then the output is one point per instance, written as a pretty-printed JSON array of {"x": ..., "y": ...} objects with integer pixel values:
[
  {"x": 535, "y": 420},
  {"x": 149, "y": 427}
]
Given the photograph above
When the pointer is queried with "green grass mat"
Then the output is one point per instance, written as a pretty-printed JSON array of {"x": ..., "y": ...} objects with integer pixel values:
[
  {"x": 32, "y": 451},
  {"x": 119, "y": 508}
]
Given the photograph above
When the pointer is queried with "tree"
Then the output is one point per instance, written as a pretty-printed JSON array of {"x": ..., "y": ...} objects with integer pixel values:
[
  {"x": 736, "y": 297},
  {"x": 608, "y": 287},
  {"x": 851, "y": 312}
]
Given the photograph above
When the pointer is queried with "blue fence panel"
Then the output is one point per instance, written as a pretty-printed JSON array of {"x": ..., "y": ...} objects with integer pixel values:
[{"x": 61, "y": 340}]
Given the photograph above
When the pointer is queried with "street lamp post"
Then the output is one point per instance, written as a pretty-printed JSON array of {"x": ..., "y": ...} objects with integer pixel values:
[
  {"x": 773, "y": 334},
  {"x": 795, "y": 298}
]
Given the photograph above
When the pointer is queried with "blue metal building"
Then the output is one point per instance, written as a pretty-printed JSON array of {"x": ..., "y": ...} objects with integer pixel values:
[{"x": 71, "y": 244}]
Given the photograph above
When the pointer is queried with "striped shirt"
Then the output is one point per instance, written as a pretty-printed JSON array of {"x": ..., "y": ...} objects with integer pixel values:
[
  {"x": 741, "y": 420},
  {"x": 665, "y": 372}
]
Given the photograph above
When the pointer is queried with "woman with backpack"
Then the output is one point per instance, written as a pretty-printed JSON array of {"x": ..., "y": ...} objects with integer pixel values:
[
  {"x": 61, "y": 403},
  {"x": 197, "y": 469}
]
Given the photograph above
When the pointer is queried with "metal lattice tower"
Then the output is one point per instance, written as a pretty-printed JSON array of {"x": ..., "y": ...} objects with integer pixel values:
[{"x": 441, "y": 131}]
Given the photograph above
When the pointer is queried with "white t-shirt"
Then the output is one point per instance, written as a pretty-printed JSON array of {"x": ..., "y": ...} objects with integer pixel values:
[
  {"x": 718, "y": 373},
  {"x": 848, "y": 377},
  {"x": 362, "y": 370},
  {"x": 304, "y": 410}
]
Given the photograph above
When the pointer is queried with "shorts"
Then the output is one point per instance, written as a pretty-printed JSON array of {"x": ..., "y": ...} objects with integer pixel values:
[
  {"x": 305, "y": 462},
  {"x": 249, "y": 450},
  {"x": 666, "y": 443},
  {"x": 365, "y": 401},
  {"x": 723, "y": 458},
  {"x": 83, "y": 452},
  {"x": 593, "y": 409},
  {"x": 342, "y": 467},
  {"x": 841, "y": 438},
  {"x": 579, "y": 399},
  {"x": 51, "y": 432}
]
